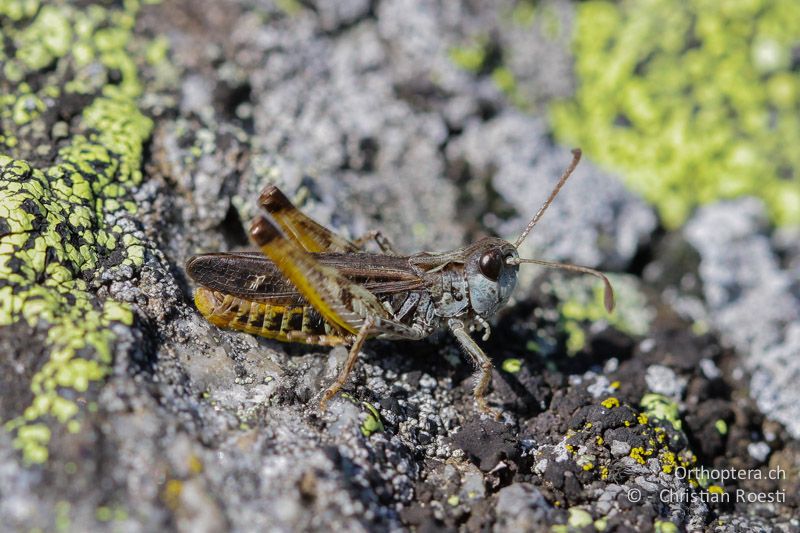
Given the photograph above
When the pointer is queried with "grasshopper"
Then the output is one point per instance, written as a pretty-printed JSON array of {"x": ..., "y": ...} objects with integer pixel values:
[{"x": 309, "y": 285}]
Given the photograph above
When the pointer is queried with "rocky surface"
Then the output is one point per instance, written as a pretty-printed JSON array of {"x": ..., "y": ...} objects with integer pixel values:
[
  {"x": 752, "y": 301},
  {"x": 125, "y": 409}
]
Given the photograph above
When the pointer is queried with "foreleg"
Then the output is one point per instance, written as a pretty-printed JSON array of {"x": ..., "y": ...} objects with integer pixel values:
[{"x": 483, "y": 375}]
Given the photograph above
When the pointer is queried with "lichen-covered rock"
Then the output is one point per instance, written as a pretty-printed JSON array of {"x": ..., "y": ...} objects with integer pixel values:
[
  {"x": 706, "y": 111},
  {"x": 751, "y": 301},
  {"x": 136, "y": 135},
  {"x": 66, "y": 227}
]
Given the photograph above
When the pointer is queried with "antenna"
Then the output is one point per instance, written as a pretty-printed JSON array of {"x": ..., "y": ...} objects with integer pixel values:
[
  {"x": 608, "y": 293},
  {"x": 576, "y": 157}
]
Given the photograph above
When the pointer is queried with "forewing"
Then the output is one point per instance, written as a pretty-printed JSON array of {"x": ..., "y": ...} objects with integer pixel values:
[
  {"x": 305, "y": 231},
  {"x": 250, "y": 276},
  {"x": 254, "y": 277}
]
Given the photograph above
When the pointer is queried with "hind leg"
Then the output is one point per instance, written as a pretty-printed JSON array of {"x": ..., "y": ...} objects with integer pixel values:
[{"x": 352, "y": 357}]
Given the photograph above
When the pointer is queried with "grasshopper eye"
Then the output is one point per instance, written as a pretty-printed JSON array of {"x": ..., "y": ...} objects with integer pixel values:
[{"x": 491, "y": 264}]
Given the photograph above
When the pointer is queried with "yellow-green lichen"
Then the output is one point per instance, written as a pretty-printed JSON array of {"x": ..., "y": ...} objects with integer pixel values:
[
  {"x": 591, "y": 452},
  {"x": 477, "y": 57},
  {"x": 470, "y": 57},
  {"x": 582, "y": 302},
  {"x": 640, "y": 454},
  {"x": 372, "y": 423},
  {"x": 171, "y": 495},
  {"x": 17, "y": 10},
  {"x": 659, "y": 407},
  {"x": 664, "y": 526},
  {"x": 610, "y": 403},
  {"x": 105, "y": 513},
  {"x": 579, "y": 518},
  {"x": 693, "y": 101},
  {"x": 48, "y": 37},
  {"x": 512, "y": 365},
  {"x": 668, "y": 462},
  {"x": 289, "y": 7},
  {"x": 524, "y": 14},
  {"x": 63, "y": 521},
  {"x": 57, "y": 221}
]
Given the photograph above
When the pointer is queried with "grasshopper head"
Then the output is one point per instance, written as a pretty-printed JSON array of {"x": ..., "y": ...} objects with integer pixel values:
[
  {"x": 490, "y": 275},
  {"x": 492, "y": 264}
]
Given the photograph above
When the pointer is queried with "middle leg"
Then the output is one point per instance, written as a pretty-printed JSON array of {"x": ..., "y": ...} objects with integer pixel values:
[{"x": 375, "y": 235}]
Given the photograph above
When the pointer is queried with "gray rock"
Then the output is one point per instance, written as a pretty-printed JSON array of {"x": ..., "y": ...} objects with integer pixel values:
[
  {"x": 648, "y": 486},
  {"x": 328, "y": 107},
  {"x": 594, "y": 221},
  {"x": 605, "y": 501},
  {"x": 335, "y": 15},
  {"x": 663, "y": 380},
  {"x": 758, "y": 451},
  {"x": 619, "y": 448},
  {"x": 357, "y": 111},
  {"x": 521, "y": 507},
  {"x": 751, "y": 301},
  {"x": 710, "y": 370}
]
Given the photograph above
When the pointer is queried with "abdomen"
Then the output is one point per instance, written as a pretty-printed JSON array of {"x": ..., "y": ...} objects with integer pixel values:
[{"x": 285, "y": 323}]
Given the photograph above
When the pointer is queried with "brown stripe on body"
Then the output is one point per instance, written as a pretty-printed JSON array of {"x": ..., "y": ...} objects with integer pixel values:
[{"x": 285, "y": 324}]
